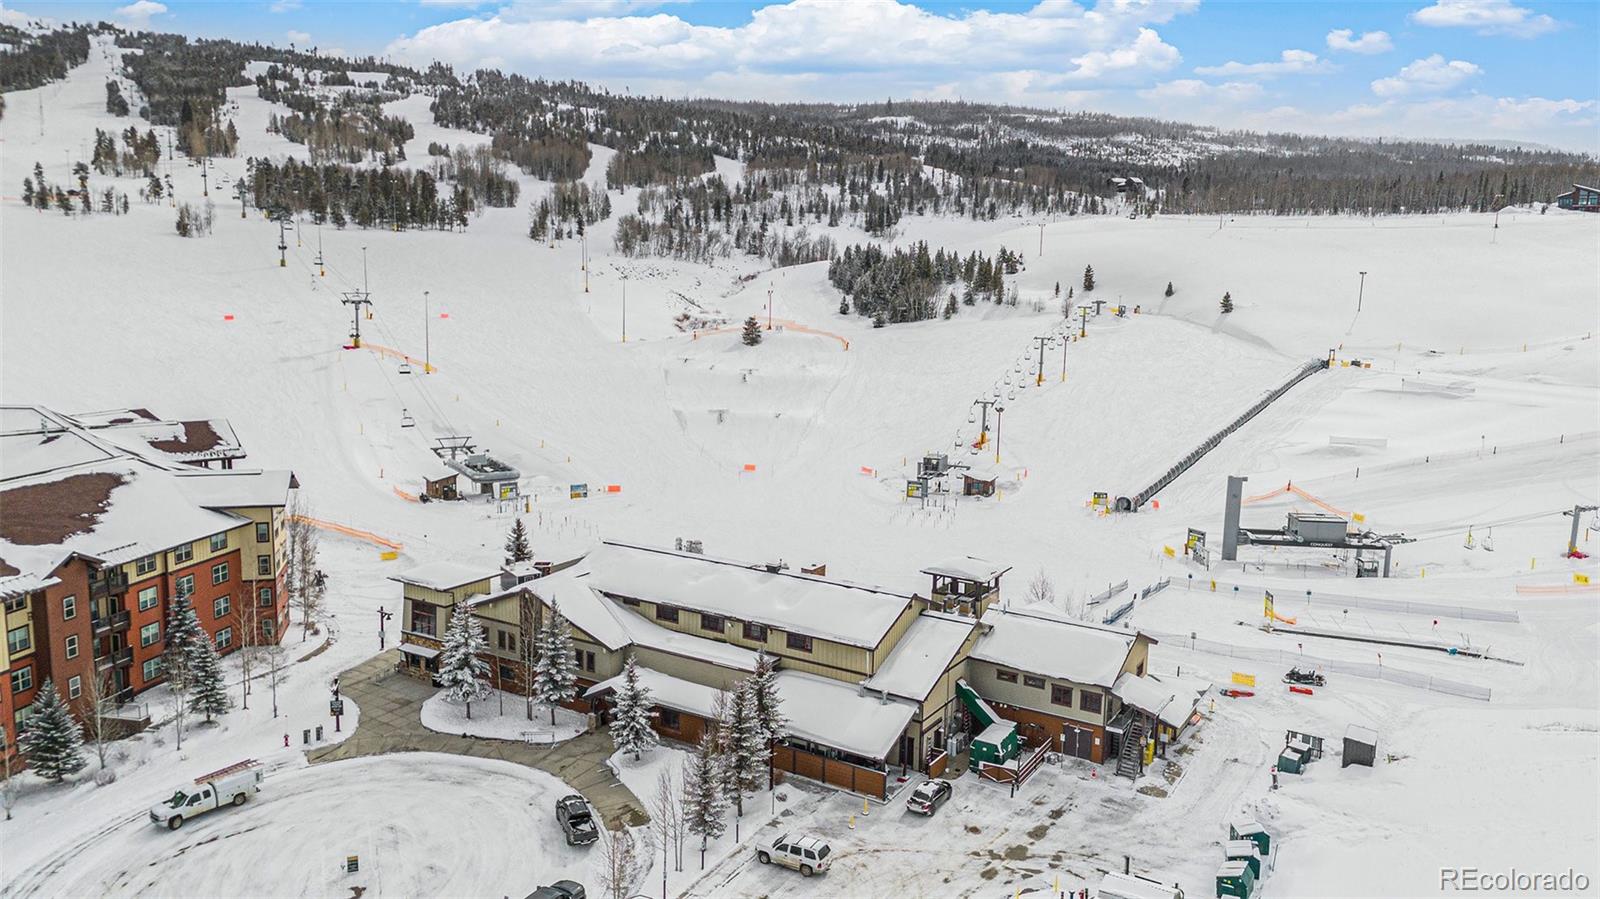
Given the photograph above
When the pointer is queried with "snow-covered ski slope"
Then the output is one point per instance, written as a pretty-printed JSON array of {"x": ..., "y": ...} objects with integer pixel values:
[{"x": 1484, "y": 381}]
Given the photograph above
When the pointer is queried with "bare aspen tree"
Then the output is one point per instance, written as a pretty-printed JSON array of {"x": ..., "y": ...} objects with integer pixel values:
[
  {"x": 621, "y": 861},
  {"x": 1041, "y": 590},
  {"x": 247, "y": 620},
  {"x": 529, "y": 621},
  {"x": 303, "y": 579},
  {"x": 97, "y": 724}
]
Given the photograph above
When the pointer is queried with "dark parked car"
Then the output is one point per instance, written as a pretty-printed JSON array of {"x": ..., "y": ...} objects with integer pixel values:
[
  {"x": 926, "y": 799},
  {"x": 561, "y": 889},
  {"x": 577, "y": 821}
]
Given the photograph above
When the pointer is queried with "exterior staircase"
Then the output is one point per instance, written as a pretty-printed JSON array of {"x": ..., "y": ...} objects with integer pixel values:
[{"x": 1128, "y": 760}]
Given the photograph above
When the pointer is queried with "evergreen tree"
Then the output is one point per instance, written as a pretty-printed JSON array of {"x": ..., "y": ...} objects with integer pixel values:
[
  {"x": 1088, "y": 278},
  {"x": 517, "y": 548},
  {"x": 1058, "y": 288},
  {"x": 1170, "y": 291},
  {"x": 844, "y": 306},
  {"x": 745, "y": 745},
  {"x": 764, "y": 694},
  {"x": 183, "y": 633},
  {"x": 704, "y": 802},
  {"x": 752, "y": 332},
  {"x": 1227, "y": 303},
  {"x": 27, "y": 191},
  {"x": 53, "y": 741},
  {"x": 210, "y": 690},
  {"x": 950, "y": 306},
  {"x": 877, "y": 319},
  {"x": 630, "y": 718},
  {"x": 555, "y": 678},
  {"x": 1069, "y": 292},
  {"x": 461, "y": 671}
]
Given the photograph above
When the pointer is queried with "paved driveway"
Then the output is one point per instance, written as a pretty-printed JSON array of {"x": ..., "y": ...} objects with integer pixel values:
[{"x": 391, "y": 721}]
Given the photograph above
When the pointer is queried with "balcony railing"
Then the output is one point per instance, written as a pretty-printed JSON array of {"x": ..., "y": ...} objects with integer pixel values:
[
  {"x": 102, "y": 663},
  {"x": 111, "y": 583},
  {"x": 120, "y": 620},
  {"x": 123, "y": 656},
  {"x": 100, "y": 625}
]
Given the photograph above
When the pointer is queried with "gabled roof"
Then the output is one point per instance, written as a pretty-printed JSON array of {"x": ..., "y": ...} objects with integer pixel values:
[
  {"x": 821, "y": 607},
  {"x": 833, "y": 713},
  {"x": 1040, "y": 643},
  {"x": 444, "y": 576},
  {"x": 921, "y": 656},
  {"x": 668, "y": 692},
  {"x": 236, "y": 488},
  {"x": 968, "y": 568}
]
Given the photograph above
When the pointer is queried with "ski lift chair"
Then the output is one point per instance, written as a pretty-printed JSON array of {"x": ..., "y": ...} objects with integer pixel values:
[
  {"x": 406, "y": 421},
  {"x": 405, "y": 366}
]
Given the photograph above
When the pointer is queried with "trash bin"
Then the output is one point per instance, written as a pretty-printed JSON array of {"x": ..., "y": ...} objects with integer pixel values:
[
  {"x": 1234, "y": 879},
  {"x": 1245, "y": 851},
  {"x": 1246, "y": 829},
  {"x": 1291, "y": 761}
]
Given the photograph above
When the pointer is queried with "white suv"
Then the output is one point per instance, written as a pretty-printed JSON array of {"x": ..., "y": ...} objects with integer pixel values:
[{"x": 805, "y": 854}]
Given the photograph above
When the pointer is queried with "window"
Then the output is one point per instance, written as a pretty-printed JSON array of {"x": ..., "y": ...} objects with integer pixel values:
[
  {"x": 714, "y": 623},
  {"x": 19, "y": 639},
  {"x": 629, "y": 601},
  {"x": 225, "y": 638},
  {"x": 669, "y": 720},
  {"x": 1029, "y": 680},
  {"x": 1089, "y": 702},
  {"x": 72, "y": 646},
  {"x": 798, "y": 641},
  {"x": 221, "y": 606},
  {"x": 150, "y": 633},
  {"x": 183, "y": 554},
  {"x": 1000, "y": 674},
  {"x": 69, "y": 608},
  {"x": 263, "y": 532},
  {"x": 584, "y": 659},
  {"x": 219, "y": 573},
  {"x": 22, "y": 679},
  {"x": 264, "y": 566},
  {"x": 17, "y": 603},
  {"x": 268, "y": 628},
  {"x": 184, "y": 585},
  {"x": 422, "y": 619},
  {"x": 506, "y": 673},
  {"x": 74, "y": 687},
  {"x": 667, "y": 613},
  {"x": 264, "y": 597},
  {"x": 151, "y": 669},
  {"x": 145, "y": 565},
  {"x": 147, "y": 599},
  {"x": 1061, "y": 695},
  {"x": 219, "y": 542},
  {"x": 1140, "y": 671},
  {"x": 506, "y": 641},
  {"x": 756, "y": 632}
]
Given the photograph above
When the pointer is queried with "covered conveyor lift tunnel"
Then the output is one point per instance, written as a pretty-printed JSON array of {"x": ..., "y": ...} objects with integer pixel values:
[{"x": 997, "y": 740}]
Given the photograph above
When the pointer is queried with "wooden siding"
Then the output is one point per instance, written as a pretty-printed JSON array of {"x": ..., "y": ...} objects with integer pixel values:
[
  {"x": 982, "y": 678},
  {"x": 827, "y": 658},
  {"x": 830, "y": 771}
]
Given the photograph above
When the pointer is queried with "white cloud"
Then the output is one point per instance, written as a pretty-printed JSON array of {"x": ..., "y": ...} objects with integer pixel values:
[
  {"x": 299, "y": 38},
  {"x": 1290, "y": 62},
  {"x": 19, "y": 19},
  {"x": 137, "y": 14},
  {"x": 1368, "y": 43},
  {"x": 1049, "y": 49},
  {"x": 284, "y": 6},
  {"x": 1486, "y": 17},
  {"x": 1429, "y": 75},
  {"x": 1184, "y": 89}
]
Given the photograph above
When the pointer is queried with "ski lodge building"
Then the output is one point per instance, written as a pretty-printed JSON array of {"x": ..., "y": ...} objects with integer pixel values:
[
  {"x": 106, "y": 518},
  {"x": 872, "y": 679},
  {"x": 1580, "y": 198}
]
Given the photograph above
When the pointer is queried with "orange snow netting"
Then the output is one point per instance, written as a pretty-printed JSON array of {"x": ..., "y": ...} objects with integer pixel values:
[{"x": 349, "y": 532}]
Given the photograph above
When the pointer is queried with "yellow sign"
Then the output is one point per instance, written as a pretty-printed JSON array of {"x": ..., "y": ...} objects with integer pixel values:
[
  {"x": 1244, "y": 680},
  {"x": 1359, "y": 517},
  {"x": 1267, "y": 604},
  {"x": 388, "y": 555},
  {"x": 1169, "y": 552},
  {"x": 1580, "y": 578}
]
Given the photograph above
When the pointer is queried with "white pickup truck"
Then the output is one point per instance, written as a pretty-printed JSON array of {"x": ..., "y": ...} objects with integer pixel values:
[{"x": 232, "y": 784}]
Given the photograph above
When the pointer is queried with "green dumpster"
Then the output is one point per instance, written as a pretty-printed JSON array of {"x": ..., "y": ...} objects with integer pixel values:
[
  {"x": 1246, "y": 829},
  {"x": 1234, "y": 879},
  {"x": 1291, "y": 761},
  {"x": 997, "y": 744},
  {"x": 1245, "y": 851}
]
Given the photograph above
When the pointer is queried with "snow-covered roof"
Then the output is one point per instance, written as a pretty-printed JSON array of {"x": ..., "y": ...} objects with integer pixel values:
[
  {"x": 641, "y": 631},
  {"x": 23, "y": 454},
  {"x": 833, "y": 713},
  {"x": 821, "y": 607},
  {"x": 444, "y": 576},
  {"x": 996, "y": 733},
  {"x": 580, "y": 604},
  {"x": 967, "y": 568},
  {"x": 115, "y": 511},
  {"x": 1172, "y": 704},
  {"x": 180, "y": 441},
  {"x": 1116, "y": 885},
  {"x": 423, "y": 652},
  {"x": 668, "y": 691},
  {"x": 1055, "y": 647},
  {"x": 1361, "y": 734},
  {"x": 235, "y": 488},
  {"x": 921, "y": 656}
]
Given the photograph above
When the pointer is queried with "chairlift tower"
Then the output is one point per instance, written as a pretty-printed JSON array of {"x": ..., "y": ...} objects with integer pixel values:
[
  {"x": 356, "y": 299},
  {"x": 1576, "y": 513},
  {"x": 283, "y": 246}
]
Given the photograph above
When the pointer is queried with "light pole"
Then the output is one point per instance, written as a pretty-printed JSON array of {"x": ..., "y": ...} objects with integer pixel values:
[
  {"x": 769, "y": 309},
  {"x": 999, "y": 410},
  {"x": 624, "y": 308},
  {"x": 1041, "y": 240},
  {"x": 1361, "y": 292},
  {"x": 1063, "y": 358},
  {"x": 1039, "y": 375},
  {"x": 427, "y": 368}
]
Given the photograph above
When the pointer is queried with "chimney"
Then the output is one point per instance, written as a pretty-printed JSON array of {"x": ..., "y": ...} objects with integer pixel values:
[{"x": 820, "y": 569}]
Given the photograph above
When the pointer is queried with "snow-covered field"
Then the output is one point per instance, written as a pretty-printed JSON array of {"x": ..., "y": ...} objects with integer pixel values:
[{"x": 1482, "y": 390}]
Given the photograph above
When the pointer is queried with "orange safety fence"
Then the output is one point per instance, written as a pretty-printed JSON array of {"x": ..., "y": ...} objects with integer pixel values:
[
  {"x": 788, "y": 325},
  {"x": 1290, "y": 488},
  {"x": 349, "y": 531},
  {"x": 382, "y": 350},
  {"x": 408, "y": 497},
  {"x": 1556, "y": 589}
]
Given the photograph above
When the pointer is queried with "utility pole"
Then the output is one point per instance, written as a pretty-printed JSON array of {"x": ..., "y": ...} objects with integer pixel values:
[
  {"x": 382, "y": 617},
  {"x": 427, "y": 352},
  {"x": 999, "y": 410},
  {"x": 1039, "y": 375},
  {"x": 769, "y": 309},
  {"x": 1576, "y": 513},
  {"x": 1361, "y": 292}
]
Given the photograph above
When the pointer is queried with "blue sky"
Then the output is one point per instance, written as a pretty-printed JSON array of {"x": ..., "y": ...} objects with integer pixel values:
[{"x": 1501, "y": 69}]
